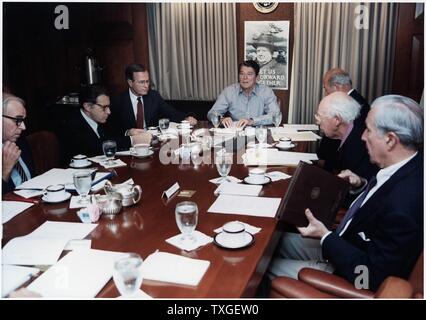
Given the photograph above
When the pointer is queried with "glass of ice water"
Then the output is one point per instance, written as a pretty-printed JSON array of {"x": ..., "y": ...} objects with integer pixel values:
[
  {"x": 276, "y": 118},
  {"x": 127, "y": 274},
  {"x": 223, "y": 164},
  {"x": 186, "y": 214},
  {"x": 261, "y": 134},
  {"x": 215, "y": 119},
  {"x": 83, "y": 183},
  {"x": 163, "y": 124},
  {"x": 109, "y": 148}
]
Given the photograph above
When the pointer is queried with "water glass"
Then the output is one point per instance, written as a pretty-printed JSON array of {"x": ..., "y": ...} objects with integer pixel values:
[
  {"x": 109, "y": 148},
  {"x": 276, "y": 118},
  {"x": 261, "y": 134},
  {"x": 186, "y": 214},
  {"x": 163, "y": 124},
  {"x": 223, "y": 165},
  {"x": 83, "y": 183},
  {"x": 215, "y": 119},
  {"x": 127, "y": 274}
]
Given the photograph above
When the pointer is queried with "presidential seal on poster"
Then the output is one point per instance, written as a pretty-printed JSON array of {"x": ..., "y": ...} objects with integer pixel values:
[{"x": 266, "y": 42}]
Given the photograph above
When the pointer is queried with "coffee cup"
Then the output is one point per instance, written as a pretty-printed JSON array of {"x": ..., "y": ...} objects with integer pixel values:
[
  {"x": 141, "y": 149},
  {"x": 285, "y": 142},
  {"x": 234, "y": 233},
  {"x": 257, "y": 175},
  {"x": 55, "y": 192},
  {"x": 79, "y": 160}
]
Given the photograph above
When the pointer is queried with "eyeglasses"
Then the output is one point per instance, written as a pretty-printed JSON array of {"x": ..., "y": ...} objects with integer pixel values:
[
  {"x": 18, "y": 120},
  {"x": 250, "y": 75},
  {"x": 104, "y": 107},
  {"x": 142, "y": 82}
]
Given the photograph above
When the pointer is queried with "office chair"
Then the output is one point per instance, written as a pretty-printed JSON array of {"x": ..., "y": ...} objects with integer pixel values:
[{"x": 45, "y": 151}]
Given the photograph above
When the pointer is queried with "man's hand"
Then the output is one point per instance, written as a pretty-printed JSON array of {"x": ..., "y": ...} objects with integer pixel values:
[
  {"x": 135, "y": 131},
  {"x": 227, "y": 122},
  {"x": 192, "y": 120},
  {"x": 10, "y": 156},
  {"x": 144, "y": 137},
  {"x": 354, "y": 180},
  {"x": 315, "y": 229},
  {"x": 244, "y": 122}
]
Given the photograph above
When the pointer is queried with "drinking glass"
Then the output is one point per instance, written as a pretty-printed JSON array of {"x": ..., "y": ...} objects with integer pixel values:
[
  {"x": 186, "y": 214},
  {"x": 163, "y": 125},
  {"x": 109, "y": 148},
  {"x": 83, "y": 183},
  {"x": 276, "y": 118},
  {"x": 215, "y": 119},
  {"x": 223, "y": 164},
  {"x": 261, "y": 134},
  {"x": 127, "y": 274}
]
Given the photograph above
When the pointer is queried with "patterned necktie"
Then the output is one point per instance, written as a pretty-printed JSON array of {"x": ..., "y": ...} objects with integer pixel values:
[
  {"x": 21, "y": 172},
  {"x": 356, "y": 205},
  {"x": 139, "y": 114},
  {"x": 101, "y": 133}
]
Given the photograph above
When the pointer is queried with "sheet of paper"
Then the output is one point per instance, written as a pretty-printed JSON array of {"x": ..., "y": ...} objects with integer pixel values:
[
  {"x": 78, "y": 244},
  {"x": 299, "y": 127},
  {"x": 28, "y": 193},
  {"x": 297, "y": 136},
  {"x": 238, "y": 189},
  {"x": 98, "y": 159},
  {"x": 15, "y": 276},
  {"x": 115, "y": 164},
  {"x": 273, "y": 157},
  {"x": 246, "y": 205},
  {"x": 63, "y": 230},
  {"x": 167, "y": 267},
  {"x": 80, "y": 274},
  {"x": 13, "y": 208},
  {"x": 277, "y": 175},
  {"x": 31, "y": 251},
  {"x": 281, "y": 130}
]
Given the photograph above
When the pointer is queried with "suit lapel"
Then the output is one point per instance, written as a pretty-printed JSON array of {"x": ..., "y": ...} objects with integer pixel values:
[{"x": 130, "y": 115}]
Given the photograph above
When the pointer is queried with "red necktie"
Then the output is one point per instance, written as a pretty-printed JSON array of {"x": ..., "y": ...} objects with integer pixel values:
[{"x": 139, "y": 114}]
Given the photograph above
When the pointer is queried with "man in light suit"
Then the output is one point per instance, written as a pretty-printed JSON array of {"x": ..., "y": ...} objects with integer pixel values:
[
  {"x": 16, "y": 155},
  {"x": 140, "y": 107},
  {"x": 85, "y": 130},
  {"x": 382, "y": 232}
]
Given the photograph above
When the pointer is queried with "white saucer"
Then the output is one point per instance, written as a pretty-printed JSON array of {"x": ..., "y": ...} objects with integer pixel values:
[
  {"x": 180, "y": 127},
  {"x": 258, "y": 145},
  {"x": 88, "y": 164},
  {"x": 220, "y": 241},
  {"x": 265, "y": 181},
  {"x": 150, "y": 153},
  {"x": 68, "y": 195},
  {"x": 291, "y": 146}
]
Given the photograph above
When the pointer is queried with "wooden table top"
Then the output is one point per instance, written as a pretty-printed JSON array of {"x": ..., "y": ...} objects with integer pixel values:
[{"x": 144, "y": 227}]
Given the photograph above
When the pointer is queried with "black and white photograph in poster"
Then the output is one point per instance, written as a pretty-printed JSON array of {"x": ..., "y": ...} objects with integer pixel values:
[{"x": 267, "y": 43}]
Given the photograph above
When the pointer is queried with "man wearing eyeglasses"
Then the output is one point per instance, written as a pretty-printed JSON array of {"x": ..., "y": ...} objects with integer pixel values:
[
  {"x": 86, "y": 129},
  {"x": 140, "y": 107},
  {"x": 16, "y": 155}
]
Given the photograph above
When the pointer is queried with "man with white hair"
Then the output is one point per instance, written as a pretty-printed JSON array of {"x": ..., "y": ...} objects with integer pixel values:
[
  {"x": 336, "y": 116},
  {"x": 16, "y": 155},
  {"x": 381, "y": 235}
]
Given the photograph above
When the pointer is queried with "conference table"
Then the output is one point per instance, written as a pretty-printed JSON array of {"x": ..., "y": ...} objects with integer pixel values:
[{"x": 144, "y": 227}]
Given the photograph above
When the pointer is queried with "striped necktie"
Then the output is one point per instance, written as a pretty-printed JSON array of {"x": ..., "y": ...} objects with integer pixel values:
[
  {"x": 21, "y": 172},
  {"x": 139, "y": 114}
]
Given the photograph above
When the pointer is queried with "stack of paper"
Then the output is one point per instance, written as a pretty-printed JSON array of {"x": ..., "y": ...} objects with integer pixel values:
[
  {"x": 301, "y": 127},
  {"x": 13, "y": 208},
  {"x": 167, "y": 267},
  {"x": 80, "y": 274},
  {"x": 238, "y": 189},
  {"x": 246, "y": 205},
  {"x": 297, "y": 136},
  {"x": 15, "y": 276},
  {"x": 273, "y": 157}
]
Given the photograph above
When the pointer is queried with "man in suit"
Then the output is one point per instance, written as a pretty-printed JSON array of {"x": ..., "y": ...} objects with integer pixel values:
[
  {"x": 140, "y": 107},
  {"x": 381, "y": 235},
  {"x": 338, "y": 80},
  {"x": 16, "y": 155},
  {"x": 336, "y": 116},
  {"x": 86, "y": 131}
]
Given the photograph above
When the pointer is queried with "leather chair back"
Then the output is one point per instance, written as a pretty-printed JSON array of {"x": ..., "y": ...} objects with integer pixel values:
[{"x": 45, "y": 151}]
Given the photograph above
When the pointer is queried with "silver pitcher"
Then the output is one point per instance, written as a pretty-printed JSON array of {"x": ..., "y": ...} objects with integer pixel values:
[{"x": 131, "y": 193}]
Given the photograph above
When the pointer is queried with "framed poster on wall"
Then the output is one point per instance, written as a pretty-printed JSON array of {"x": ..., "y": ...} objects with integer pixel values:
[{"x": 267, "y": 43}]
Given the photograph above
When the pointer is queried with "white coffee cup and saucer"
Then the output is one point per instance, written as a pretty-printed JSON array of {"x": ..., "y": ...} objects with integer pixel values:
[
  {"x": 233, "y": 236},
  {"x": 257, "y": 176},
  {"x": 141, "y": 150},
  {"x": 285, "y": 143},
  {"x": 80, "y": 161},
  {"x": 55, "y": 193},
  {"x": 184, "y": 124}
]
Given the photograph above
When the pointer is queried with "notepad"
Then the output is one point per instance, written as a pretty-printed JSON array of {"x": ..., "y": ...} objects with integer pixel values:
[
  {"x": 15, "y": 276},
  {"x": 237, "y": 189},
  {"x": 13, "y": 208}
]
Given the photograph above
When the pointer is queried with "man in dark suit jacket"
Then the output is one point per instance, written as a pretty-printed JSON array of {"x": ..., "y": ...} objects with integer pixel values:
[
  {"x": 381, "y": 235},
  {"x": 85, "y": 130},
  {"x": 16, "y": 154},
  {"x": 335, "y": 159},
  {"x": 140, "y": 107}
]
